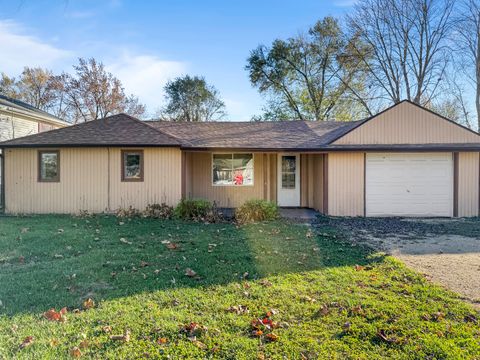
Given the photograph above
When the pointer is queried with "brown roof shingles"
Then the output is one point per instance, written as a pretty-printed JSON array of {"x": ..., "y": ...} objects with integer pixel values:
[
  {"x": 116, "y": 130},
  {"x": 285, "y": 135}
]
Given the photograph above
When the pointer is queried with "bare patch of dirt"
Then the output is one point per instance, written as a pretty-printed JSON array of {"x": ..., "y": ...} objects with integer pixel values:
[{"x": 447, "y": 251}]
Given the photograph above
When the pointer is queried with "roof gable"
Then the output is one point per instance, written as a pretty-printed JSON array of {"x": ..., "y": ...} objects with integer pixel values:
[
  {"x": 116, "y": 130},
  {"x": 407, "y": 123}
]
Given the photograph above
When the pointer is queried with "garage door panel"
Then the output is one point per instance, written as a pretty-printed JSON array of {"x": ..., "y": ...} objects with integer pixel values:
[{"x": 409, "y": 184}]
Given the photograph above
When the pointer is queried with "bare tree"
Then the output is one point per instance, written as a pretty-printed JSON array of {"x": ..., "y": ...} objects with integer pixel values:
[
  {"x": 468, "y": 30},
  {"x": 94, "y": 93},
  {"x": 408, "y": 45},
  {"x": 36, "y": 86}
]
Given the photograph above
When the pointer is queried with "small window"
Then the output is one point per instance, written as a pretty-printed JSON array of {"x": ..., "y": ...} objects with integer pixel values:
[
  {"x": 49, "y": 166},
  {"x": 232, "y": 169},
  {"x": 132, "y": 165}
]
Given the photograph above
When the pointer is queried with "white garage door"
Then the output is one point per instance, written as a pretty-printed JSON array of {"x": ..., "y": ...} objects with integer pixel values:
[{"x": 404, "y": 184}]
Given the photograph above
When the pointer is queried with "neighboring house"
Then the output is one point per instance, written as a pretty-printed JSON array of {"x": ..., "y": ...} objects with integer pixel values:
[
  {"x": 18, "y": 119},
  {"x": 405, "y": 161}
]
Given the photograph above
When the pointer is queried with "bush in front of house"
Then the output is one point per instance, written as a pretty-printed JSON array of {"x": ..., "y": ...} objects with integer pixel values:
[
  {"x": 256, "y": 210},
  {"x": 158, "y": 211},
  {"x": 197, "y": 210}
]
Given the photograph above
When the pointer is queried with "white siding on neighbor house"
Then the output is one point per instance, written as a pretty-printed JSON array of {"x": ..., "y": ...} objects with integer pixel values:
[
  {"x": 87, "y": 182},
  {"x": 14, "y": 127}
]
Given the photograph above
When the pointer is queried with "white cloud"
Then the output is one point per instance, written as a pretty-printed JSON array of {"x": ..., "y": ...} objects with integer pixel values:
[
  {"x": 145, "y": 76},
  {"x": 20, "y": 49}
]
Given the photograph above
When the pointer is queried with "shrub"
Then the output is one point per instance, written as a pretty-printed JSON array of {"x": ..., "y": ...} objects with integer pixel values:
[
  {"x": 158, "y": 211},
  {"x": 256, "y": 210},
  {"x": 129, "y": 212},
  {"x": 197, "y": 210}
]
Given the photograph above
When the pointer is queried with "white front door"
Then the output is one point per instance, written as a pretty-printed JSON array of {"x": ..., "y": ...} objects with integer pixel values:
[
  {"x": 399, "y": 184},
  {"x": 288, "y": 192}
]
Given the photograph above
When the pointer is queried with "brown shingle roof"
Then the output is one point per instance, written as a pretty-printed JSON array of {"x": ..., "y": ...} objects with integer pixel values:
[
  {"x": 293, "y": 135},
  {"x": 116, "y": 130}
]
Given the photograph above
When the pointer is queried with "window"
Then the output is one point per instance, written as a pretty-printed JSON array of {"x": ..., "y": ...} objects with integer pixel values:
[
  {"x": 289, "y": 165},
  {"x": 132, "y": 165},
  {"x": 49, "y": 166},
  {"x": 232, "y": 169}
]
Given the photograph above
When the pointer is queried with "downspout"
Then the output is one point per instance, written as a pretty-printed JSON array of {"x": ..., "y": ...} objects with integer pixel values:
[{"x": 2, "y": 181}]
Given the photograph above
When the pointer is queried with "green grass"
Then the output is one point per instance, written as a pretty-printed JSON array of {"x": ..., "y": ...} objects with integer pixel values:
[{"x": 57, "y": 261}]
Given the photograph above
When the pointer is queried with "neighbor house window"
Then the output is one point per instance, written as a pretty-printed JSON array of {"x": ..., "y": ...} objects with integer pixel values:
[
  {"x": 132, "y": 165},
  {"x": 49, "y": 166},
  {"x": 232, "y": 169}
]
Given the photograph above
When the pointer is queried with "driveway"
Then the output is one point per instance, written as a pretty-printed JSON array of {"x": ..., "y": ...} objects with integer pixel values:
[{"x": 447, "y": 251}]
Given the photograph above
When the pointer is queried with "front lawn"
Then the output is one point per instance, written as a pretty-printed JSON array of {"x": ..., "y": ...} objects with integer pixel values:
[{"x": 195, "y": 290}]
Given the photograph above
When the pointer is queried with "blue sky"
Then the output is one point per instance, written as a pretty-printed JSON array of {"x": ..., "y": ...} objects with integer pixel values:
[{"x": 145, "y": 43}]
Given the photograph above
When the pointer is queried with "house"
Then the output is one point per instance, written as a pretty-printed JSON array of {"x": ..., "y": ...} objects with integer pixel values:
[
  {"x": 18, "y": 119},
  {"x": 404, "y": 161}
]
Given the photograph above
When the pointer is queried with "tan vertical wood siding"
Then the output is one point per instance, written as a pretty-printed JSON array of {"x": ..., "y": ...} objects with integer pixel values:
[
  {"x": 224, "y": 196},
  {"x": 82, "y": 186},
  {"x": 346, "y": 184},
  {"x": 408, "y": 124},
  {"x": 87, "y": 182},
  {"x": 162, "y": 179},
  {"x": 468, "y": 184}
]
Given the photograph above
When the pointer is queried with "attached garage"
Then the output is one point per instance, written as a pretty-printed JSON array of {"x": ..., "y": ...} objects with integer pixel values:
[{"x": 409, "y": 184}]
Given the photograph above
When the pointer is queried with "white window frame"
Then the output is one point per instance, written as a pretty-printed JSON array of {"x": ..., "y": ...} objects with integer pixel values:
[{"x": 232, "y": 153}]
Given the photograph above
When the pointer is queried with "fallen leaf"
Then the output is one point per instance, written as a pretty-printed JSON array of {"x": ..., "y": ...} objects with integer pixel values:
[
  {"x": 238, "y": 309},
  {"x": 265, "y": 283},
  {"x": 172, "y": 246},
  {"x": 382, "y": 335},
  {"x": 88, "y": 304},
  {"x": 190, "y": 273},
  {"x": 162, "y": 340},
  {"x": 24, "y": 230},
  {"x": 359, "y": 267},
  {"x": 26, "y": 342},
  {"x": 21, "y": 259},
  {"x": 438, "y": 316},
  {"x": 272, "y": 337},
  {"x": 257, "y": 333},
  {"x": 125, "y": 337},
  {"x": 123, "y": 240},
  {"x": 75, "y": 352},
  {"x": 54, "y": 342},
  {"x": 83, "y": 344},
  {"x": 323, "y": 310},
  {"x": 199, "y": 344},
  {"x": 53, "y": 315},
  {"x": 143, "y": 264},
  {"x": 107, "y": 329}
]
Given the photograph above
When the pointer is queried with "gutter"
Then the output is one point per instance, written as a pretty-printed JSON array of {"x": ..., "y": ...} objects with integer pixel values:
[{"x": 33, "y": 116}]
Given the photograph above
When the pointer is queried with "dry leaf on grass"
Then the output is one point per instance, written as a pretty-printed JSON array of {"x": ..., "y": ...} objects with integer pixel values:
[
  {"x": 238, "y": 309},
  {"x": 125, "y": 337},
  {"x": 75, "y": 352},
  {"x": 53, "y": 315},
  {"x": 26, "y": 342},
  {"x": 88, "y": 304},
  {"x": 162, "y": 340},
  {"x": 123, "y": 240},
  {"x": 190, "y": 273},
  {"x": 172, "y": 246}
]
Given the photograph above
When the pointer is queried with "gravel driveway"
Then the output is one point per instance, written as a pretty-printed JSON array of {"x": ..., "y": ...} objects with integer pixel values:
[{"x": 447, "y": 251}]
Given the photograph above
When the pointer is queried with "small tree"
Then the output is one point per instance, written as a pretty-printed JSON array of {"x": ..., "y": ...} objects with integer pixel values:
[{"x": 190, "y": 98}]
